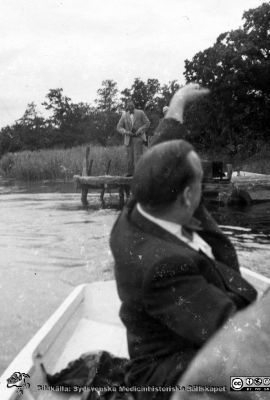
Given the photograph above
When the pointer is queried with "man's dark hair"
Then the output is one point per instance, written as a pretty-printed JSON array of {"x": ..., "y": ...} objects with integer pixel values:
[{"x": 162, "y": 173}]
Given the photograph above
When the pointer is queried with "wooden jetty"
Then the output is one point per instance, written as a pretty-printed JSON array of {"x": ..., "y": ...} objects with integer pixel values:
[
  {"x": 225, "y": 188},
  {"x": 103, "y": 183}
]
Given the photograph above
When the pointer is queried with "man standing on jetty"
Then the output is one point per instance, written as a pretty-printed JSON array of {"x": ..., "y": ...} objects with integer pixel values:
[{"x": 133, "y": 125}]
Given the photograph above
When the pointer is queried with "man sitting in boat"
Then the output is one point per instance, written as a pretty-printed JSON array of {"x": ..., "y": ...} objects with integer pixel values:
[{"x": 175, "y": 293}]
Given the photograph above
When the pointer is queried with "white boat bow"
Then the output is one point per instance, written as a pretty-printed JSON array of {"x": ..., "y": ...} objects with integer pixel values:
[{"x": 87, "y": 321}]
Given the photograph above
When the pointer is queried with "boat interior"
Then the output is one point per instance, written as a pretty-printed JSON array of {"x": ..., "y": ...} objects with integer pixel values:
[{"x": 87, "y": 321}]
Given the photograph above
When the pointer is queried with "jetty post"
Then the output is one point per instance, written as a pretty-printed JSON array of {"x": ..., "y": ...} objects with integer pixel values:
[{"x": 86, "y": 171}]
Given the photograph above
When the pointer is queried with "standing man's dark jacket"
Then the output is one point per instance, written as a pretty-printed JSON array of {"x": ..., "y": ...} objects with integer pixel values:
[{"x": 173, "y": 298}]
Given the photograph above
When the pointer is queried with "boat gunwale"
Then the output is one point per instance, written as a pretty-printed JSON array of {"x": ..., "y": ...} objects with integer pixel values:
[
  {"x": 25, "y": 360},
  {"x": 30, "y": 355}
]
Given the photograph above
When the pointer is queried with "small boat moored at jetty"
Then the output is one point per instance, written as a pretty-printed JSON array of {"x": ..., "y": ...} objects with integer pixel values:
[{"x": 86, "y": 321}]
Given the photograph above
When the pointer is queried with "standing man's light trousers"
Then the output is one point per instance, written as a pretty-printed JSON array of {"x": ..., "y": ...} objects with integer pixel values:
[{"x": 135, "y": 149}]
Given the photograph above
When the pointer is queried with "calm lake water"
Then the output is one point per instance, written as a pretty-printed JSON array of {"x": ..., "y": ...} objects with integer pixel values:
[{"x": 49, "y": 244}]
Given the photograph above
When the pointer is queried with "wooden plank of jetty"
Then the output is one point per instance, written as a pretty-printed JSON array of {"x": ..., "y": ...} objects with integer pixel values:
[
  {"x": 97, "y": 182},
  {"x": 239, "y": 189},
  {"x": 121, "y": 183}
]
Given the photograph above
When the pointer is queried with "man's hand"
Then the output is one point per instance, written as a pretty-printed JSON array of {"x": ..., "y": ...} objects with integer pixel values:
[
  {"x": 190, "y": 92},
  {"x": 138, "y": 132},
  {"x": 185, "y": 95}
]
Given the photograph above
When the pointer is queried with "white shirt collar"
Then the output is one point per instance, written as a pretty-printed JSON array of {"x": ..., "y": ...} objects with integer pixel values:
[
  {"x": 171, "y": 227},
  {"x": 197, "y": 243}
]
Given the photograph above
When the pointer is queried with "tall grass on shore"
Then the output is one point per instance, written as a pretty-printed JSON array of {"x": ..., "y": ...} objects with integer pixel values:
[
  {"x": 64, "y": 163},
  {"x": 61, "y": 164}
]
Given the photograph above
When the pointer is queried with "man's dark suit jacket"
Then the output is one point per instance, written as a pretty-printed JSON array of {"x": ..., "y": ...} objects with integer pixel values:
[
  {"x": 173, "y": 298},
  {"x": 243, "y": 347}
]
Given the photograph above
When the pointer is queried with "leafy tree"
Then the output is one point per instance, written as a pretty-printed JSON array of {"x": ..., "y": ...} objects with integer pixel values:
[
  {"x": 31, "y": 129},
  {"x": 103, "y": 127},
  {"x": 257, "y": 46},
  {"x": 107, "y": 96},
  {"x": 31, "y": 118},
  {"x": 236, "y": 69},
  {"x": 144, "y": 94},
  {"x": 8, "y": 141},
  {"x": 59, "y": 105},
  {"x": 69, "y": 121}
]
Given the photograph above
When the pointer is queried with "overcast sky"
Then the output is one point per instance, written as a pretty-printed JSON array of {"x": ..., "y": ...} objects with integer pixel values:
[{"x": 75, "y": 44}]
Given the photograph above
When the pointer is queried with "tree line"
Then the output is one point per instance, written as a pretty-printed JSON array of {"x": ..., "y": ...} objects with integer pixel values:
[
  {"x": 71, "y": 124},
  {"x": 235, "y": 116},
  {"x": 237, "y": 70}
]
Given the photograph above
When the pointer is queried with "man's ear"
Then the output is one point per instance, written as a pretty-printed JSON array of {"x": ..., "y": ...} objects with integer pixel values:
[{"x": 187, "y": 196}]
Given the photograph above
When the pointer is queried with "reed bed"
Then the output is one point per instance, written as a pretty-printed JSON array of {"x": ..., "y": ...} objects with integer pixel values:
[{"x": 62, "y": 163}]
